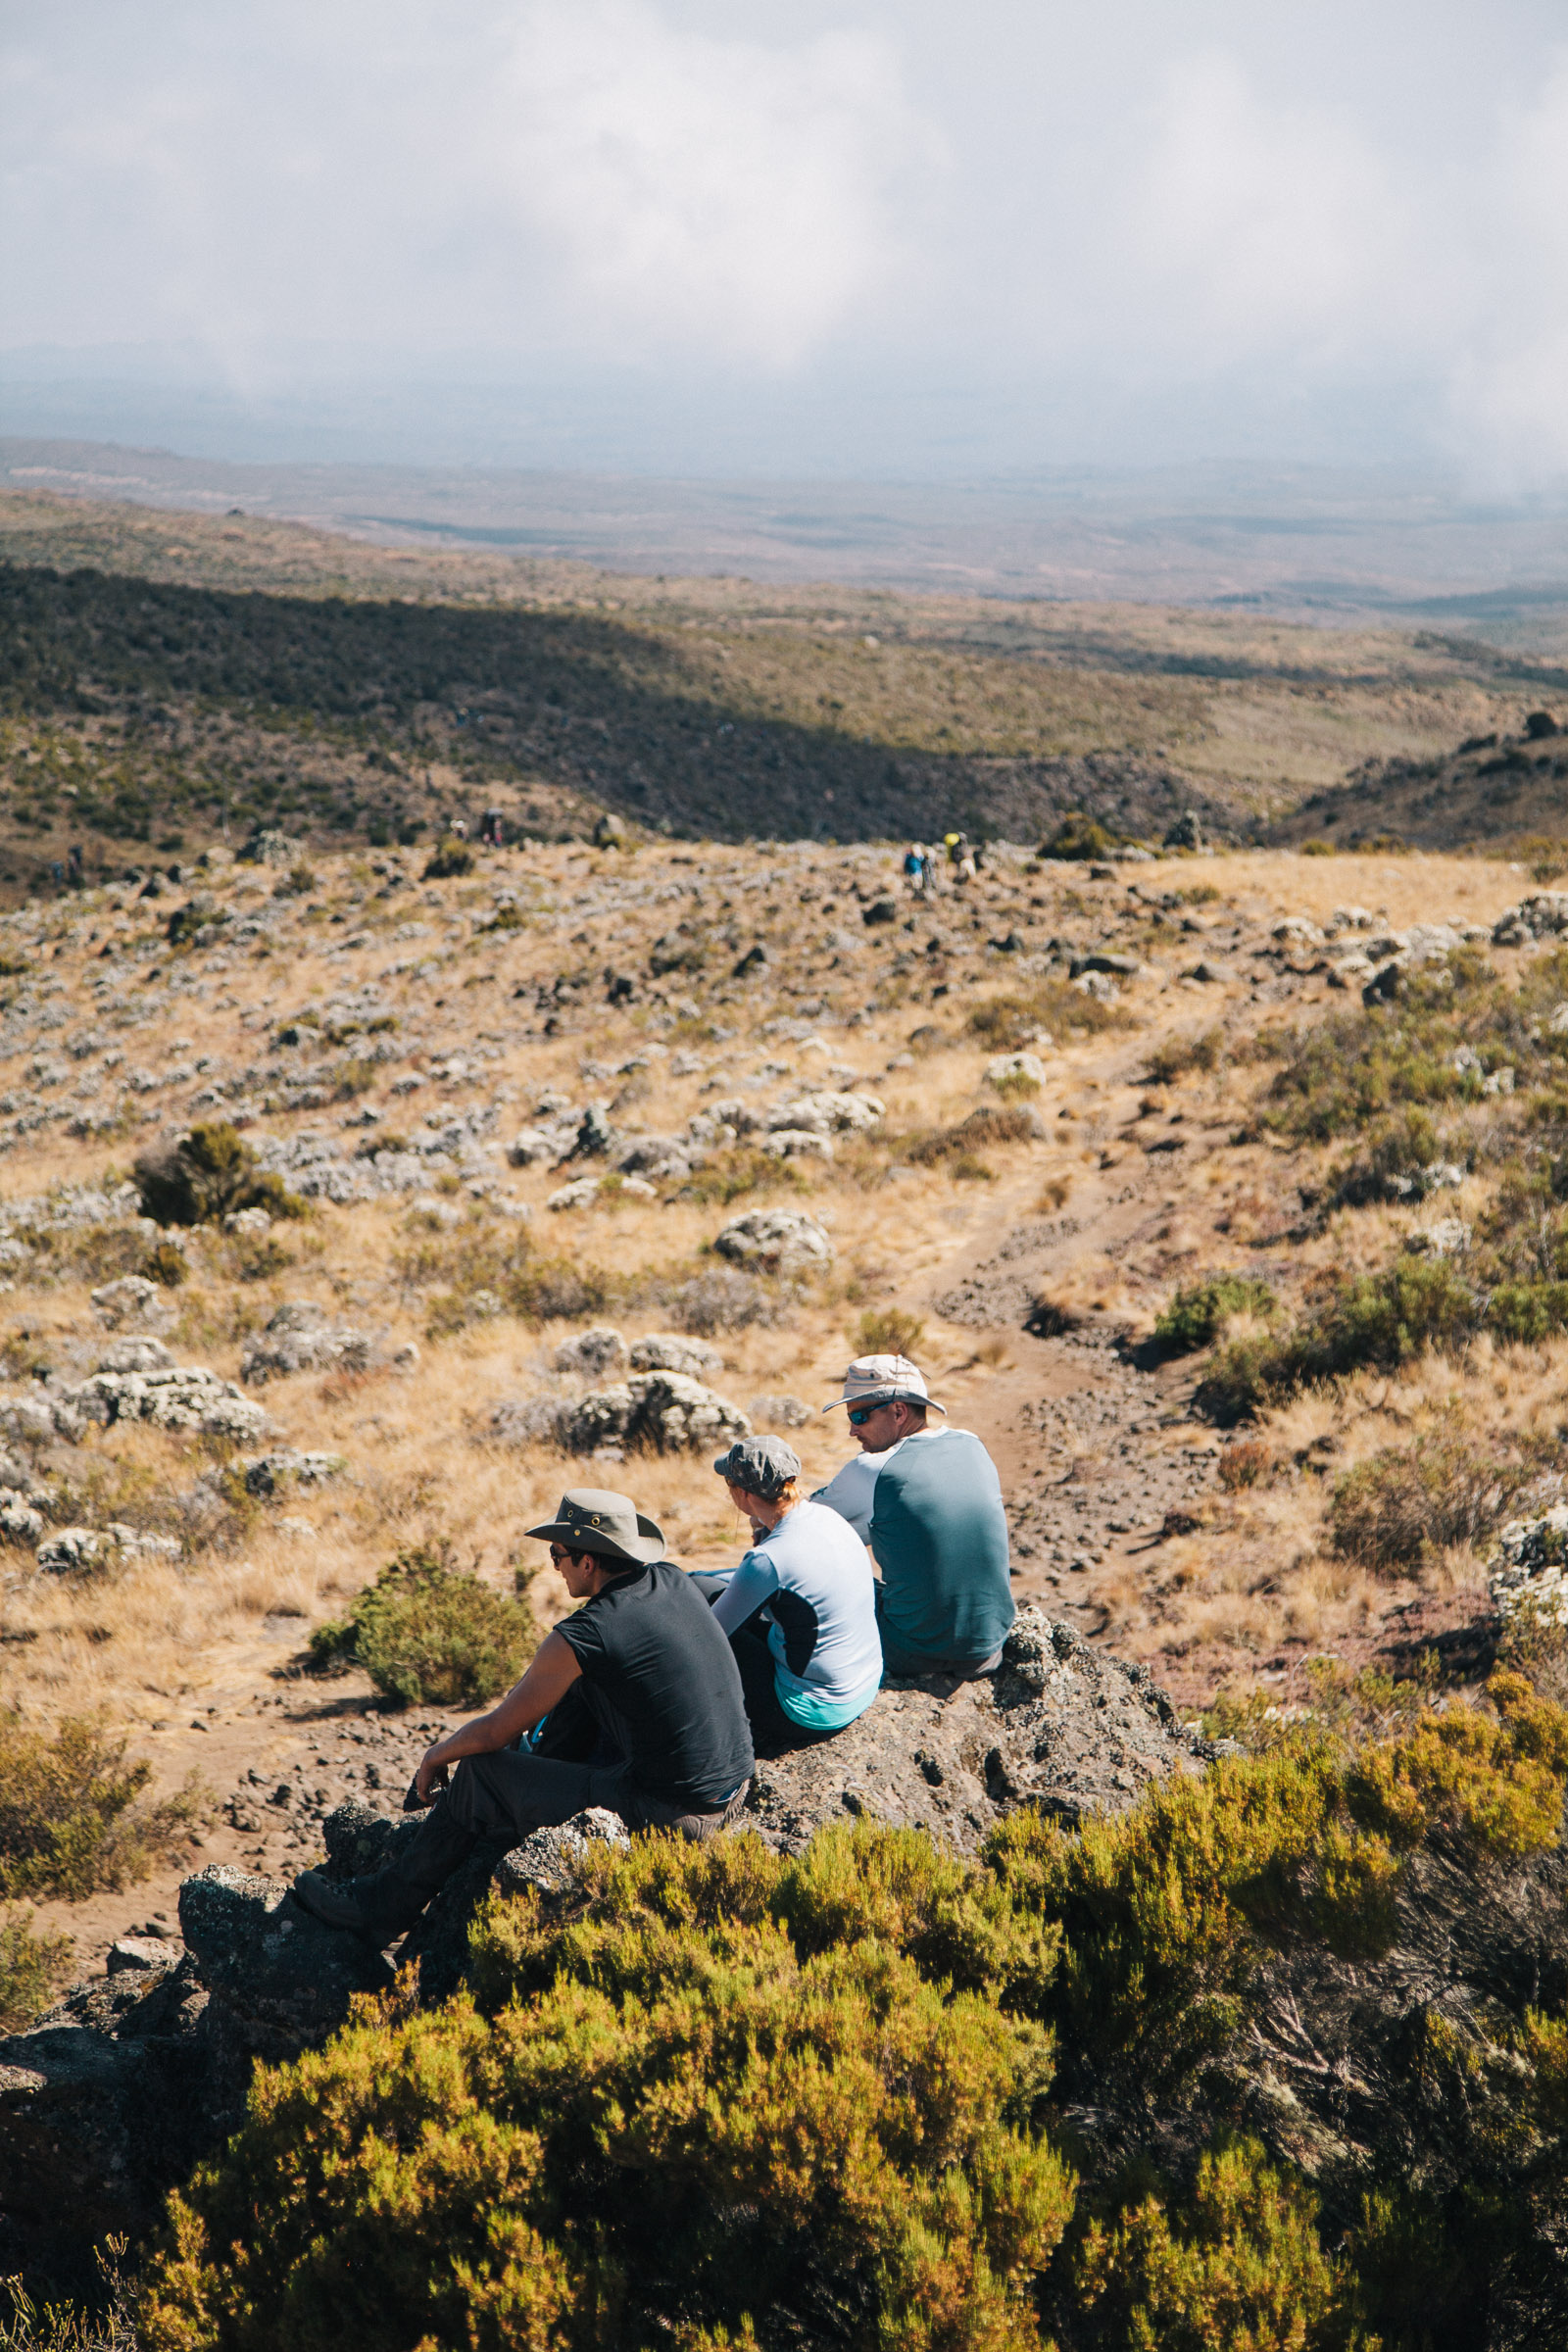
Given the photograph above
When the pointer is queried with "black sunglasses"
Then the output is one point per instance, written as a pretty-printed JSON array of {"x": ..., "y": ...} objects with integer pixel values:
[{"x": 860, "y": 1414}]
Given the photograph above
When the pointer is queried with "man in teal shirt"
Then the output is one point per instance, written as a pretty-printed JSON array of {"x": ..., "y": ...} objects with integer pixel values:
[{"x": 929, "y": 1503}]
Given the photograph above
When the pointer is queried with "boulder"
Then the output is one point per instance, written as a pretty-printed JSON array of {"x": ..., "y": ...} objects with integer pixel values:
[
  {"x": 661, "y": 1412},
  {"x": 1542, "y": 916},
  {"x": 775, "y": 1240},
  {"x": 577, "y": 1195},
  {"x": 278, "y": 1981},
  {"x": 530, "y": 1420},
  {"x": 655, "y": 1155},
  {"x": 134, "y": 1301},
  {"x": 1187, "y": 833},
  {"x": 135, "y": 1355},
  {"x": 185, "y": 1396},
  {"x": 595, "y": 1352},
  {"x": 780, "y": 1412},
  {"x": 1008, "y": 1070},
  {"x": 829, "y": 1113},
  {"x": 672, "y": 1351},
  {"x": 797, "y": 1143},
  {"x": 274, "y": 1473},
  {"x": 1059, "y": 1725},
  {"x": 298, "y": 1338},
  {"x": 1528, "y": 1577}
]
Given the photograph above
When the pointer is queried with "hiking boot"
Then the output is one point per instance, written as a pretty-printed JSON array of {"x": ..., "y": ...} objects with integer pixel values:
[{"x": 350, "y": 1904}]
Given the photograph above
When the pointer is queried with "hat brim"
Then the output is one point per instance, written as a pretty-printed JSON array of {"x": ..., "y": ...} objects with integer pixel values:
[
  {"x": 649, "y": 1544},
  {"x": 887, "y": 1397}
]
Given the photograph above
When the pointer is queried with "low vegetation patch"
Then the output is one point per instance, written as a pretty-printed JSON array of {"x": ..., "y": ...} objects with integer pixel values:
[
  {"x": 1369, "y": 1320},
  {"x": 887, "y": 1331},
  {"x": 31, "y": 1966},
  {"x": 1005, "y": 1024},
  {"x": 74, "y": 1815},
  {"x": 1198, "y": 1315},
  {"x": 813, "y": 2099},
  {"x": 1406, "y": 1502},
  {"x": 427, "y": 1633}
]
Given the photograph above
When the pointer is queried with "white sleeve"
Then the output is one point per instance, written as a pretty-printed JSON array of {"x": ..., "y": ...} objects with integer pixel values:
[{"x": 853, "y": 1491}]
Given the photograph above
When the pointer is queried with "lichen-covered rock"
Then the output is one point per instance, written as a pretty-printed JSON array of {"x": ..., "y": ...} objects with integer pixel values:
[
  {"x": 672, "y": 1351},
  {"x": 185, "y": 1396},
  {"x": 663, "y": 1412},
  {"x": 777, "y": 1241},
  {"x": 136, "y": 1354},
  {"x": 133, "y": 1300},
  {"x": 593, "y": 1353},
  {"x": 1058, "y": 1725},
  {"x": 298, "y": 1338},
  {"x": 797, "y": 1143},
  {"x": 829, "y": 1113},
  {"x": 1529, "y": 1578},
  {"x": 279, "y": 1980},
  {"x": 1542, "y": 916},
  {"x": 530, "y": 1420},
  {"x": 285, "y": 1467},
  {"x": 780, "y": 1412}
]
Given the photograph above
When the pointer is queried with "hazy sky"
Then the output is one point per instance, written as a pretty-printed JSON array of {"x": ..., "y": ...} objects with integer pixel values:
[{"x": 1019, "y": 232}]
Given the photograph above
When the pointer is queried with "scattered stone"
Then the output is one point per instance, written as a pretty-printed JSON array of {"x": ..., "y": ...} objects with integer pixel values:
[
  {"x": 1541, "y": 916},
  {"x": 797, "y": 1143},
  {"x": 274, "y": 1473},
  {"x": 829, "y": 1113},
  {"x": 578, "y": 1194},
  {"x": 185, "y": 1396},
  {"x": 780, "y": 1240},
  {"x": 1447, "y": 1236},
  {"x": 1187, "y": 833},
  {"x": 880, "y": 910},
  {"x": 531, "y": 1420}
]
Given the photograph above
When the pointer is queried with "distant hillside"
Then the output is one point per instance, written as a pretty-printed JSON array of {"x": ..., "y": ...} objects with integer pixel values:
[
  {"x": 165, "y": 679},
  {"x": 1503, "y": 787}
]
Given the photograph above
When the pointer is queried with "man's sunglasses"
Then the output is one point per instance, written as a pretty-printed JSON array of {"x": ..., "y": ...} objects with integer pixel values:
[{"x": 860, "y": 1414}]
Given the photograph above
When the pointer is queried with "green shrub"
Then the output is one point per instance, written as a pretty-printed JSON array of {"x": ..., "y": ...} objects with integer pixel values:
[
  {"x": 742, "y": 1169},
  {"x": 1196, "y": 1315},
  {"x": 681, "y": 2125},
  {"x": 1407, "y": 1500},
  {"x": 454, "y": 1266},
  {"x": 1391, "y": 1166},
  {"x": 1524, "y": 1313},
  {"x": 1377, "y": 1321},
  {"x": 70, "y": 1818},
  {"x": 450, "y": 858},
  {"x": 887, "y": 1331},
  {"x": 1495, "y": 1781},
  {"x": 30, "y": 1965},
  {"x": 1237, "y": 2264},
  {"x": 1079, "y": 837},
  {"x": 425, "y": 1634},
  {"x": 205, "y": 1176}
]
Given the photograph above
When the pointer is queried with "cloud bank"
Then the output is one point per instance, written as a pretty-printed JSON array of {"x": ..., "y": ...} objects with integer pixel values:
[{"x": 1118, "y": 233}]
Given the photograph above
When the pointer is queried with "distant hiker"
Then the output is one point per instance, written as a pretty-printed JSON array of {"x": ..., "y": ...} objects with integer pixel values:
[
  {"x": 645, "y": 1716},
  {"x": 929, "y": 1503},
  {"x": 915, "y": 867},
  {"x": 492, "y": 829},
  {"x": 73, "y": 861},
  {"x": 929, "y": 864},
  {"x": 458, "y": 828},
  {"x": 801, "y": 1608}
]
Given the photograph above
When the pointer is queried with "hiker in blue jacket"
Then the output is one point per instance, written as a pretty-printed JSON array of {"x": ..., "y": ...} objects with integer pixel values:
[{"x": 928, "y": 1501}]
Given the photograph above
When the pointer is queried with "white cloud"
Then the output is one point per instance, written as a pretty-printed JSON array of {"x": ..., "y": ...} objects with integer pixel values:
[{"x": 712, "y": 195}]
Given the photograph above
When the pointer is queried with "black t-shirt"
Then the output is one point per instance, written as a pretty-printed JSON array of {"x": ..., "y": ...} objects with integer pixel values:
[{"x": 650, "y": 1644}]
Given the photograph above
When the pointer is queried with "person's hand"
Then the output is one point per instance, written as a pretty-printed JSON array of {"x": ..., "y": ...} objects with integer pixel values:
[{"x": 432, "y": 1776}]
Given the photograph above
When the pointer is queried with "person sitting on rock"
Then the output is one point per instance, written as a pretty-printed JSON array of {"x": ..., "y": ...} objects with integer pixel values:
[
  {"x": 799, "y": 1609},
  {"x": 645, "y": 1712},
  {"x": 928, "y": 1501}
]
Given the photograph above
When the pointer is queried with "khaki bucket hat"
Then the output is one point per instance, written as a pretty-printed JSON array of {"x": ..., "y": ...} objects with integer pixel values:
[
  {"x": 880, "y": 1378},
  {"x": 594, "y": 1519}
]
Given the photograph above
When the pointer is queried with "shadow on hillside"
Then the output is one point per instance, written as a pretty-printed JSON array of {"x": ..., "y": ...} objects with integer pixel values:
[{"x": 599, "y": 707}]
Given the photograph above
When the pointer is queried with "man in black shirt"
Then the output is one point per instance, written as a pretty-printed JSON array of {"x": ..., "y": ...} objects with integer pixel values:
[{"x": 646, "y": 1717}]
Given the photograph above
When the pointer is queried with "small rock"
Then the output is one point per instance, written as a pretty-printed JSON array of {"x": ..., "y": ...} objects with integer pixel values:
[
  {"x": 777, "y": 1241},
  {"x": 595, "y": 1352},
  {"x": 1007, "y": 1070},
  {"x": 672, "y": 1351},
  {"x": 780, "y": 1412}
]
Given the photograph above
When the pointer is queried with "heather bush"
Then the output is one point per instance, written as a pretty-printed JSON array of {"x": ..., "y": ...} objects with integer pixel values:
[
  {"x": 428, "y": 1635},
  {"x": 887, "y": 1331},
  {"x": 680, "y": 2129},
  {"x": 72, "y": 1812},
  {"x": 1174, "y": 1056},
  {"x": 1237, "y": 2263},
  {"x": 1376, "y": 1321}
]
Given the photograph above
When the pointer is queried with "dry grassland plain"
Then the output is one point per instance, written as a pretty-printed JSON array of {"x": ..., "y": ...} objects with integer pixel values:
[{"x": 384, "y": 1038}]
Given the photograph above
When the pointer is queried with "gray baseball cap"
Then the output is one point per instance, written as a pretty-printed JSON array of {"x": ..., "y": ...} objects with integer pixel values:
[{"x": 760, "y": 1467}]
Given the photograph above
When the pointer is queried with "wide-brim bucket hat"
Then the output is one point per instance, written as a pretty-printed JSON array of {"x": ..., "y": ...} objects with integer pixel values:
[
  {"x": 594, "y": 1519},
  {"x": 883, "y": 1380}
]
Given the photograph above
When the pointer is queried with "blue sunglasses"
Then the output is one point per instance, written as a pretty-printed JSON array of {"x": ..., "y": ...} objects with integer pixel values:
[{"x": 861, "y": 1414}]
